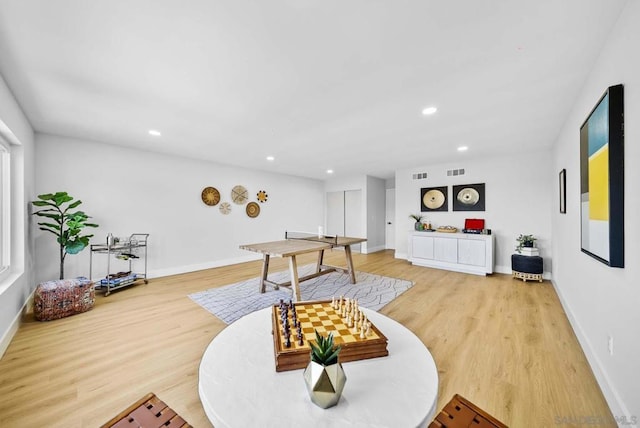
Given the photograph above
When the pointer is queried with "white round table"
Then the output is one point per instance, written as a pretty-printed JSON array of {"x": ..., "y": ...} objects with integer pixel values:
[{"x": 239, "y": 386}]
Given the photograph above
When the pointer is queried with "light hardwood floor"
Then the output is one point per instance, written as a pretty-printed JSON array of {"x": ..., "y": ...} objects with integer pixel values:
[{"x": 505, "y": 345}]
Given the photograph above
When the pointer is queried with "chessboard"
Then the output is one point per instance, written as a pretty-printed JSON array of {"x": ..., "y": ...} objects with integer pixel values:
[{"x": 291, "y": 343}]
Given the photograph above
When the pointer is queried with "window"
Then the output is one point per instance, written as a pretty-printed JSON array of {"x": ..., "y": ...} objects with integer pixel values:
[{"x": 5, "y": 208}]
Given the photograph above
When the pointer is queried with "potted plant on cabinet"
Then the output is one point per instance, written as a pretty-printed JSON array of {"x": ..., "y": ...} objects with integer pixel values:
[
  {"x": 418, "y": 218},
  {"x": 324, "y": 376},
  {"x": 65, "y": 224},
  {"x": 525, "y": 241}
]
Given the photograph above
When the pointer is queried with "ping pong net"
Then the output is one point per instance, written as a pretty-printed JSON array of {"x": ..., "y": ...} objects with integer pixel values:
[{"x": 308, "y": 236}]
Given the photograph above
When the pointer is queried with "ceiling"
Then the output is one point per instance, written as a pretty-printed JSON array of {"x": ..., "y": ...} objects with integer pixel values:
[{"x": 316, "y": 84}]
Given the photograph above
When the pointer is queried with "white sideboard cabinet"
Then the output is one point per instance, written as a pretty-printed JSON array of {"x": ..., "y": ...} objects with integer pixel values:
[{"x": 461, "y": 252}]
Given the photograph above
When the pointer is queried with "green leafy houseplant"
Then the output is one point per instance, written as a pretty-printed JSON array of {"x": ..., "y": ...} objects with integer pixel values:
[
  {"x": 66, "y": 224},
  {"x": 323, "y": 351},
  {"x": 418, "y": 218},
  {"x": 524, "y": 241}
]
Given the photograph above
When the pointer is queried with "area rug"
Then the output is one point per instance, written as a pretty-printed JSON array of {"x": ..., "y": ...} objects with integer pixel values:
[{"x": 233, "y": 301}]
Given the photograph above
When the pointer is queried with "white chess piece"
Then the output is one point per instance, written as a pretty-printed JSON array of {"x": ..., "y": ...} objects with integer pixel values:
[
  {"x": 362, "y": 336},
  {"x": 368, "y": 329}
]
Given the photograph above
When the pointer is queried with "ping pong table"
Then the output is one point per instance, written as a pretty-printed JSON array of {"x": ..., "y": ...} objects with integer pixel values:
[{"x": 296, "y": 243}]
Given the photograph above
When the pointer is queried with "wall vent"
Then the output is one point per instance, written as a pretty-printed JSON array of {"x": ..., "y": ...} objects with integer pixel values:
[
  {"x": 455, "y": 172},
  {"x": 420, "y": 176}
]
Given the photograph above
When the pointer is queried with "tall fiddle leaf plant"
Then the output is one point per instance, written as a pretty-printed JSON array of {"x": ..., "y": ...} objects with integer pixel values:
[{"x": 62, "y": 221}]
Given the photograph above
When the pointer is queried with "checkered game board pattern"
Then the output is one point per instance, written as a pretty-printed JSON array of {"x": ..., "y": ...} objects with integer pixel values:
[{"x": 322, "y": 317}]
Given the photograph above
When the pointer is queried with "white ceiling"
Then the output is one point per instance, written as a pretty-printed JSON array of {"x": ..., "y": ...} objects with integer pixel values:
[{"x": 317, "y": 84}]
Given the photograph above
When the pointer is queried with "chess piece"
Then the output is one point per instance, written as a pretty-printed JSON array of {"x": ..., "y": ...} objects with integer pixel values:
[
  {"x": 362, "y": 336},
  {"x": 368, "y": 329}
]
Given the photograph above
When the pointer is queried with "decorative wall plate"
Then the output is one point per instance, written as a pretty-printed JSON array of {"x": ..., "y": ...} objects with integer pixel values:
[
  {"x": 225, "y": 208},
  {"x": 434, "y": 199},
  {"x": 210, "y": 196},
  {"x": 239, "y": 195},
  {"x": 253, "y": 209},
  {"x": 262, "y": 196},
  {"x": 469, "y": 197}
]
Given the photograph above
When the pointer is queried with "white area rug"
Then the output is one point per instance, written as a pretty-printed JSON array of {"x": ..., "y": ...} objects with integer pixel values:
[{"x": 233, "y": 301}]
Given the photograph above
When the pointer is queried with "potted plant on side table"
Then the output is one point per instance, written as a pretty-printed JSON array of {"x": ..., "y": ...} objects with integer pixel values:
[
  {"x": 525, "y": 241},
  {"x": 324, "y": 376}
]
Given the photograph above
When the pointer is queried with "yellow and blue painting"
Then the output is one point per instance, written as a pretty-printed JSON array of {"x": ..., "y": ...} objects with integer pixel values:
[{"x": 595, "y": 181}]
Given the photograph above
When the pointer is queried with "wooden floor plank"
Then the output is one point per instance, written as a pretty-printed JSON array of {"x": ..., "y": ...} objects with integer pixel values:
[{"x": 505, "y": 345}]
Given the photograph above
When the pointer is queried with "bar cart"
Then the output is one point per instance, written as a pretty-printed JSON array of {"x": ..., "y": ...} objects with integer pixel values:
[{"x": 131, "y": 249}]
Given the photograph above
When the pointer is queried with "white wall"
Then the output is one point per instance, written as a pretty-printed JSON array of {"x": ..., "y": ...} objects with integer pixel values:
[
  {"x": 602, "y": 301},
  {"x": 131, "y": 191},
  {"x": 518, "y": 200},
  {"x": 15, "y": 290}
]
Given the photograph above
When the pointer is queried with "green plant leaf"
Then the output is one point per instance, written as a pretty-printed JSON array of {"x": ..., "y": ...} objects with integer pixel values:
[
  {"x": 74, "y": 247},
  {"x": 51, "y": 225},
  {"x": 75, "y": 204},
  {"x": 42, "y": 204}
]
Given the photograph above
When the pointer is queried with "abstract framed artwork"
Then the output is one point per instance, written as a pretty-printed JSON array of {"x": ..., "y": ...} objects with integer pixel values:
[
  {"x": 434, "y": 199},
  {"x": 468, "y": 197},
  {"x": 563, "y": 191},
  {"x": 602, "y": 179}
]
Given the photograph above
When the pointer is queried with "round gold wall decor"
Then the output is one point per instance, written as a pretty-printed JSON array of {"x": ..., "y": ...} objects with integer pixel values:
[
  {"x": 433, "y": 199},
  {"x": 253, "y": 209},
  {"x": 210, "y": 196},
  {"x": 262, "y": 196},
  {"x": 225, "y": 208},
  {"x": 239, "y": 195}
]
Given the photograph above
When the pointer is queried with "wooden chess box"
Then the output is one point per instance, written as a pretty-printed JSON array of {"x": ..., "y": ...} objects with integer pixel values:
[{"x": 321, "y": 316}]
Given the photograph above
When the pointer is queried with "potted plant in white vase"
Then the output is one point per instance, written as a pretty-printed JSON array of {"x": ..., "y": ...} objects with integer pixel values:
[{"x": 324, "y": 376}]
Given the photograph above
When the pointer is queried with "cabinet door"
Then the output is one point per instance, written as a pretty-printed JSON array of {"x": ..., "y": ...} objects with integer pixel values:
[
  {"x": 472, "y": 252},
  {"x": 445, "y": 249},
  {"x": 422, "y": 247}
]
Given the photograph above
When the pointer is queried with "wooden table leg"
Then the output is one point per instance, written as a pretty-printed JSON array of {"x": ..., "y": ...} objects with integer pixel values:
[
  {"x": 265, "y": 272},
  {"x": 352, "y": 272},
  {"x": 295, "y": 284},
  {"x": 320, "y": 259}
]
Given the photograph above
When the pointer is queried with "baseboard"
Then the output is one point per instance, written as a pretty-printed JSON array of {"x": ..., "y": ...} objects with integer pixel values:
[
  {"x": 202, "y": 266},
  {"x": 27, "y": 308},
  {"x": 612, "y": 397},
  {"x": 374, "y": 249},
  {"x": 404, "y": 256}
]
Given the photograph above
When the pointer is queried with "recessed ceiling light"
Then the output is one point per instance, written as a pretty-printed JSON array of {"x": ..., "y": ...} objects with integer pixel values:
[
  {"x": 155, "y": 133},
  {"x": 463, "y": 148},
  {"x": 329, "y": 171},
  {"x": 270, "y": 158},
  {"x": 429, "y": 110}
]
